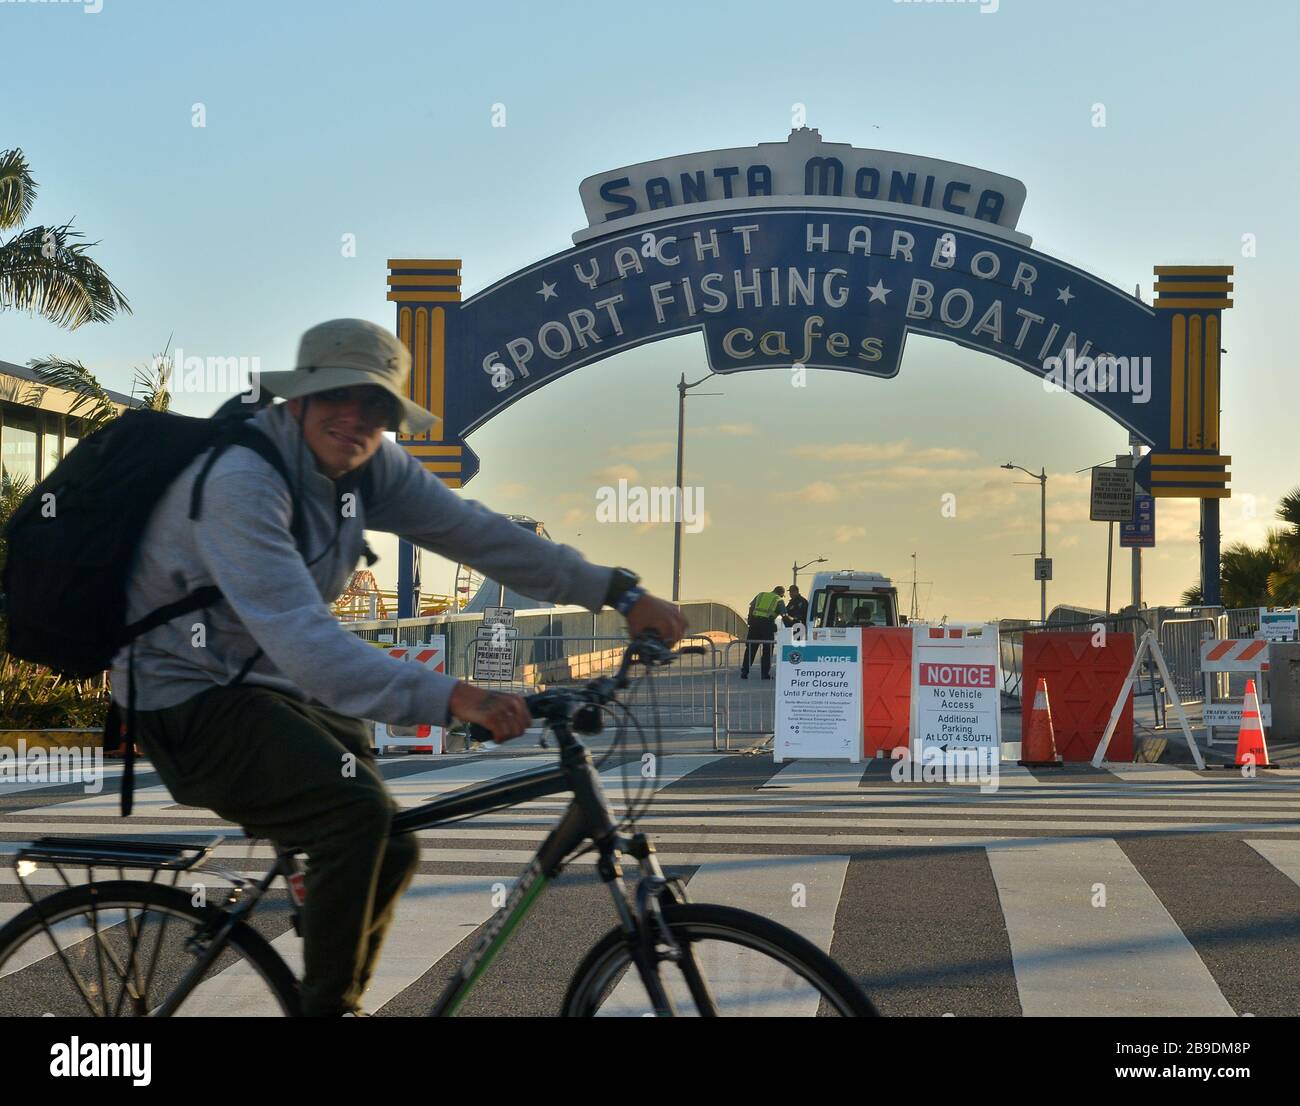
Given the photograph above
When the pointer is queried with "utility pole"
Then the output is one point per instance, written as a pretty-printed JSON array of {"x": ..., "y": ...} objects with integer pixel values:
[
  {"x": 796, "y": 568},
  {"x": 1110, "y": 550},
  {"x": 1041, "y": 477},
  {"x": 912, "y": 614},
  {"x": 682, "y": 389},
  {"x": 1042, "y": 545}
]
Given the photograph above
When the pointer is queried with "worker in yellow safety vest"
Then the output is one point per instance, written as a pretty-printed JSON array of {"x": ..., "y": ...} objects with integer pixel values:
[{"x": 764, "y": 610}]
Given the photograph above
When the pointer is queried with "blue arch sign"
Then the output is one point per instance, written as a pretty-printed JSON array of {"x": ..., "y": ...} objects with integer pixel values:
[{"x": 821, "y": 255}]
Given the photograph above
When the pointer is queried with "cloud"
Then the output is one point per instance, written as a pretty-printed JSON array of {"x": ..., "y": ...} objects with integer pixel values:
[
  {"x": 883, "y": 451},
  {"x": 514, "y": 489},
  {"x": 852, "y": 451},
  {"x": 737, "y": 429},
  {"x": 575, "y": 515},
  {"x": 849, "y": 533},
  {"x": 645, "y": 451},
  {"x": 614, "y": 473},
  {"x": 819, "y": 491}
]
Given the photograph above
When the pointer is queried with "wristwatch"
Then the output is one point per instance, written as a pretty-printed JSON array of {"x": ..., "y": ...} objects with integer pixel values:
[{"x": 621, "y": 582}]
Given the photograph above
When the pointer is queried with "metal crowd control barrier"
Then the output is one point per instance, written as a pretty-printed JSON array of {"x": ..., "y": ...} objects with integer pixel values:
[
  {"x": 748, "y": 706},
  {"x": 685, "y": 693},
  {"x": 1180, "y": 642}
]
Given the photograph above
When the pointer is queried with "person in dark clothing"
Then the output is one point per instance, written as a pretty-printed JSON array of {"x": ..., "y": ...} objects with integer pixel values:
[
  {"x": 796, "y": 611},
  {"x": 765, "y": 608}
]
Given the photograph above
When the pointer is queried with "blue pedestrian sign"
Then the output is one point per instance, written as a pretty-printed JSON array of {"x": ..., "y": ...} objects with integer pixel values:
[{"x": 1141, "y": 532}]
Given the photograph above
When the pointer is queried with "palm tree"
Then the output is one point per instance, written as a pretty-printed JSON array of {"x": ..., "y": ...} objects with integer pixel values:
[
  {"x": 93, "y": 406},
  {"x": 1265, "y": 575},
  {"x": 1284, "y": 582},
  {"x": 1245, "y": 570},
  {"x": 46, "y": 269}
]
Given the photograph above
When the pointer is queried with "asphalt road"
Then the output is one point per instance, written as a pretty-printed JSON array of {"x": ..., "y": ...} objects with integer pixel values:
[{"x": 1148, "y": 890}]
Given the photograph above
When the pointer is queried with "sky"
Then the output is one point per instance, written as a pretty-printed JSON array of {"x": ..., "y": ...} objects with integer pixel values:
[{"x": 375, "y": 120}]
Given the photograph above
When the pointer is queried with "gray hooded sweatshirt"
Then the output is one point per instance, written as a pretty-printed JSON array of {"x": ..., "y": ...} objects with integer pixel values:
[{"x": 276, "y": 598}]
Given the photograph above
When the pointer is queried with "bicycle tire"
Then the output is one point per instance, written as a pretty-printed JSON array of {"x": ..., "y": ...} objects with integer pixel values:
[
  {"x": 689, "y": 922},
  {"x": 121, "y": 894}
]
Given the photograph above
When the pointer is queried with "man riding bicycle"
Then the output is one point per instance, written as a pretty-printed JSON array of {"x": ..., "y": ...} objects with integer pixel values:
[{"x": 251, "y": 707}]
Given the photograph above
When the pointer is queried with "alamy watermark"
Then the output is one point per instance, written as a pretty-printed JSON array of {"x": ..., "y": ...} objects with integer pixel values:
[
  {"x": 1103, "y": 373},
  {"x": 39, "y": 765},
  {"x": 978, "y": 764},
  {"x": 194, "y": 375},
  {"x": 634, "y": 503}
]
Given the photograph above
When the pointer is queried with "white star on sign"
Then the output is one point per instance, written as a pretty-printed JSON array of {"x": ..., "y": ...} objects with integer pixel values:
[
  {"x": 878, "y": 291},
  {"x": 547, "y": 290},
  {"x": 1065, "y": 295}
]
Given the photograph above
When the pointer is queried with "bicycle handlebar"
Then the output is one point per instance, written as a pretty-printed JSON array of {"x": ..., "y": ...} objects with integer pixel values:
[{"x": 564, "y": 705}]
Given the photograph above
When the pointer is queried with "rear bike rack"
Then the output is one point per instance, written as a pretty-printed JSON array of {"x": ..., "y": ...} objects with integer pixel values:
[{"x": 111, "y": 852}]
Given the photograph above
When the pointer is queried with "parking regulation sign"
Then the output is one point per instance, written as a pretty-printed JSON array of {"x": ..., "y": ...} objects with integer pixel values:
[{"x": 1112, "y": 495}]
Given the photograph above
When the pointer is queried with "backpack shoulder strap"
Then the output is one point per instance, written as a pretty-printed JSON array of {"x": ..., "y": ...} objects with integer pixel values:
[{"x": 251, "y": 438}]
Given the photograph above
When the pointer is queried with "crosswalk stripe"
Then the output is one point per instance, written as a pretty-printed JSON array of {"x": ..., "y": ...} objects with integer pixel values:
[
  {"x": 666, "y": 770},
  {"x": 434, "y": 915},
  {"x": 414, "y": 789},
  {"x": 1071, "y": 958},
  {"x": 660, "y": 819},
  {"x": 150, "y": 802},
  {"x": 1283, "y": 855},
  {"x": 1042, "y": 838},
  {"x": 68, "y": 932},
  {"x": 1155, "y": 773},
  {"x": 801, "y": 892},
  {"x": 817, "y": 775}
]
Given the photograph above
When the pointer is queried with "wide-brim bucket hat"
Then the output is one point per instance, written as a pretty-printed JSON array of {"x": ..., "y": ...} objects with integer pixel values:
[{"x": 345, "y": 353}]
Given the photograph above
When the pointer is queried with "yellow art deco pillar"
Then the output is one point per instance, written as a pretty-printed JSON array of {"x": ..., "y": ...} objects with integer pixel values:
[
  {"x": 1192, "y": 299},
  {"x": 424, "y": 291}
]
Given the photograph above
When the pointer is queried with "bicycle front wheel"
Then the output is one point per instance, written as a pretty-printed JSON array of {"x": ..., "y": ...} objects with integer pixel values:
[
  {"x": 733, "y": 964},
  {"x": 119, "y": 949}
]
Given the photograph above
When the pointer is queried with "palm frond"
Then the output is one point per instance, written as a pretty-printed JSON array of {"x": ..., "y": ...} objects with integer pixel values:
[
  {"x": 1245, "y": 572},
  {"x": 152, "y": 384},
  {"x": 1193, "y": 596},
  {"x": 92, "y": 405},
  {"x": 1288, "y": 510},
  {"x": 17, "y": 189},
  {"x": 45, "y": 270}
]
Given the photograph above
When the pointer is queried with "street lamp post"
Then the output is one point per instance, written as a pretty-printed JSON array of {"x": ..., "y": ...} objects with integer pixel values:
[
  {"x": 682, "y": 389},
  {"x": 1041, "y": 477},
  {"x": 797, "y": 568}
]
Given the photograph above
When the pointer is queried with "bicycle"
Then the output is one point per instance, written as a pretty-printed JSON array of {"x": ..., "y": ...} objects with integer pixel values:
[{"x": 109, "y": 937}]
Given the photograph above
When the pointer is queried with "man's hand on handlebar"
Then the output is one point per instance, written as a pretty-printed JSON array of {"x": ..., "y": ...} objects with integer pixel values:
[
  {"x": 657, "y": 615},
  {"x": 505, "y": 715}
]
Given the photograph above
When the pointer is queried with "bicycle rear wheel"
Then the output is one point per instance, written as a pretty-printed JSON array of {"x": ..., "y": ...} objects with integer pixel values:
[
  {"x": 735, "y": 964},
  {"x": 120, "y": 948}
]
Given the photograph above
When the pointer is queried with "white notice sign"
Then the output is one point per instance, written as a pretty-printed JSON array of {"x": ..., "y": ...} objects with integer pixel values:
[
  {"x": 956, "y": 703},
  {"x": 1279, "y": 625},
  {"x": 818, "y": 699}
]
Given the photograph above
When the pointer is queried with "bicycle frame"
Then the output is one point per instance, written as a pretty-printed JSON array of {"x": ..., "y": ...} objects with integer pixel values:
[{"x": 588, "y": 817}]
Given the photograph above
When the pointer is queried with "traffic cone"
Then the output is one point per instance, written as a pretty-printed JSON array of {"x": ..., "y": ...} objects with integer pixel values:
[
  {"x": 422, "y": 731},
  {"x": 1038, "y": 747},
  {"x": 1251, "y": 748}
]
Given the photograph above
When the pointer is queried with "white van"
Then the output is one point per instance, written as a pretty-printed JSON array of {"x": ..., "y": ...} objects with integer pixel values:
[{"x": 853, "y": 598}]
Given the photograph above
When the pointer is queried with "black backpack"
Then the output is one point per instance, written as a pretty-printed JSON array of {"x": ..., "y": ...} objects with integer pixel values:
[{"x": 72, "y": 540}]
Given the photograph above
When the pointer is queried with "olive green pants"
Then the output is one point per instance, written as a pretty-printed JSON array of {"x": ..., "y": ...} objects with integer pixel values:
[{"x": 301, "y": 776}]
